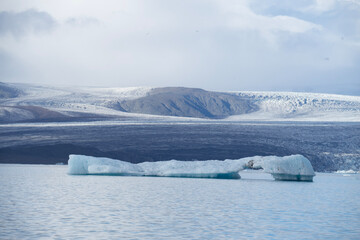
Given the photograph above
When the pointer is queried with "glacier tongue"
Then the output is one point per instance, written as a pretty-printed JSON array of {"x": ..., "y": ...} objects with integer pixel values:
[{"x": 294, "y": 167}]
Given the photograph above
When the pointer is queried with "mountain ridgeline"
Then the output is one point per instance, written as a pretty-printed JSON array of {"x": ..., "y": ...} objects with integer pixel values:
[
  {"x": 187, "y": 102},
  {"x": 29, "y": 103}
]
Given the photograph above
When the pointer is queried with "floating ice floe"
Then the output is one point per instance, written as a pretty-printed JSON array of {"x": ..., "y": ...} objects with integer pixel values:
[
  {"x": 347, "y": 171},
  {"x": 291, "y": 168}
]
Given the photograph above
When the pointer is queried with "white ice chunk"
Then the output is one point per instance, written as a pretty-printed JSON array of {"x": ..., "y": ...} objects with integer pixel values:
[
  {"x": 347, "y": 171},
  {"x": 290, "y": 168},
  {"x": 196, "y": 169},
  {"x": 295, "y": 167},
  {"x": 83, "y": 165}
]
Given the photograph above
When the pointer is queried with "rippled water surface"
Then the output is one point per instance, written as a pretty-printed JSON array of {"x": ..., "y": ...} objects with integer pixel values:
[{"x": 44, "y": 202}]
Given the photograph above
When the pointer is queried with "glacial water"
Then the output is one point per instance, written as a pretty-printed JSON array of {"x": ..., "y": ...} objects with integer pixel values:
[{"x": 43, "y": 202}]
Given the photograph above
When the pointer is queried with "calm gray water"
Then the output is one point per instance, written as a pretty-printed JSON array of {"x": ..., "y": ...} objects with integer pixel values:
[{"x": 44, "y": 202}]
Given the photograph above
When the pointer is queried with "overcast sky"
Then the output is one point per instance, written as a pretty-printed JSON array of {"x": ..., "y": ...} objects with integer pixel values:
[{"x": 278, "y": 45}]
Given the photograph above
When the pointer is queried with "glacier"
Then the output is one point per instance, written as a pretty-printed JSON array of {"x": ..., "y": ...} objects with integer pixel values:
[
  {"x": 289, "y": 168},
  {"x": 266, "y": 106}
]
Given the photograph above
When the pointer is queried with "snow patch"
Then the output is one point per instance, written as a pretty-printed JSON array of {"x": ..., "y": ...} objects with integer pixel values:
[{"x": 119, "y": 93}]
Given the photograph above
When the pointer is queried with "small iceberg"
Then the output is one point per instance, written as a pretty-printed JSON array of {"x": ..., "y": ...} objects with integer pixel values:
[
  {"x": 289, "y": 168},
  {"x": 346, "y": 171}
]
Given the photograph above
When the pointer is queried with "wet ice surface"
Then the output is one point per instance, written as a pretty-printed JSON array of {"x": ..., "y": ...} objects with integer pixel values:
[{"x": 43, "y": 201}]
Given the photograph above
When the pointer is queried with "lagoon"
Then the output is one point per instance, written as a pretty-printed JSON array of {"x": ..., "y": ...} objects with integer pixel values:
[{"x": 43, "y": 201}]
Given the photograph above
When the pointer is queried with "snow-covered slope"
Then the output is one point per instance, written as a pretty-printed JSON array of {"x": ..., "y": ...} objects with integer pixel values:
[
  {"x": 71, "y": 102},
  {"x": 293, "y": 106},
  {"x": 173, "y": 103}
]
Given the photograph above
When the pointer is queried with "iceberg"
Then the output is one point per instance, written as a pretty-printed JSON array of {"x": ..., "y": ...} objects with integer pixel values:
[
  {"x": 292, "y": 168},
  {"x": 347, "y": 171},
  {"x": 227, "y": 169},
  {"x": 288, "y": 168},
  {"x": 87, "y": 165}
]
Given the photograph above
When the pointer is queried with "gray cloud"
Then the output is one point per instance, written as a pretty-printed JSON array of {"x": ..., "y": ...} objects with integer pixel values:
[
  {"x": 24, "y": 22},
  {"x": 81, "y": 21}
]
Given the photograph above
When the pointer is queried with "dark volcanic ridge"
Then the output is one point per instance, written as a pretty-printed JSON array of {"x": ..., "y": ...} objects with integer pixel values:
[{"x": 187, "y": 102}]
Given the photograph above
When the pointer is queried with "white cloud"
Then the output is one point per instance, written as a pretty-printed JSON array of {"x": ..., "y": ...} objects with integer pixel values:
[
  {"x": 322, "y": 6},
  {"x": 210, "y": 44},
  {"x": 242, "y": 17}
]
